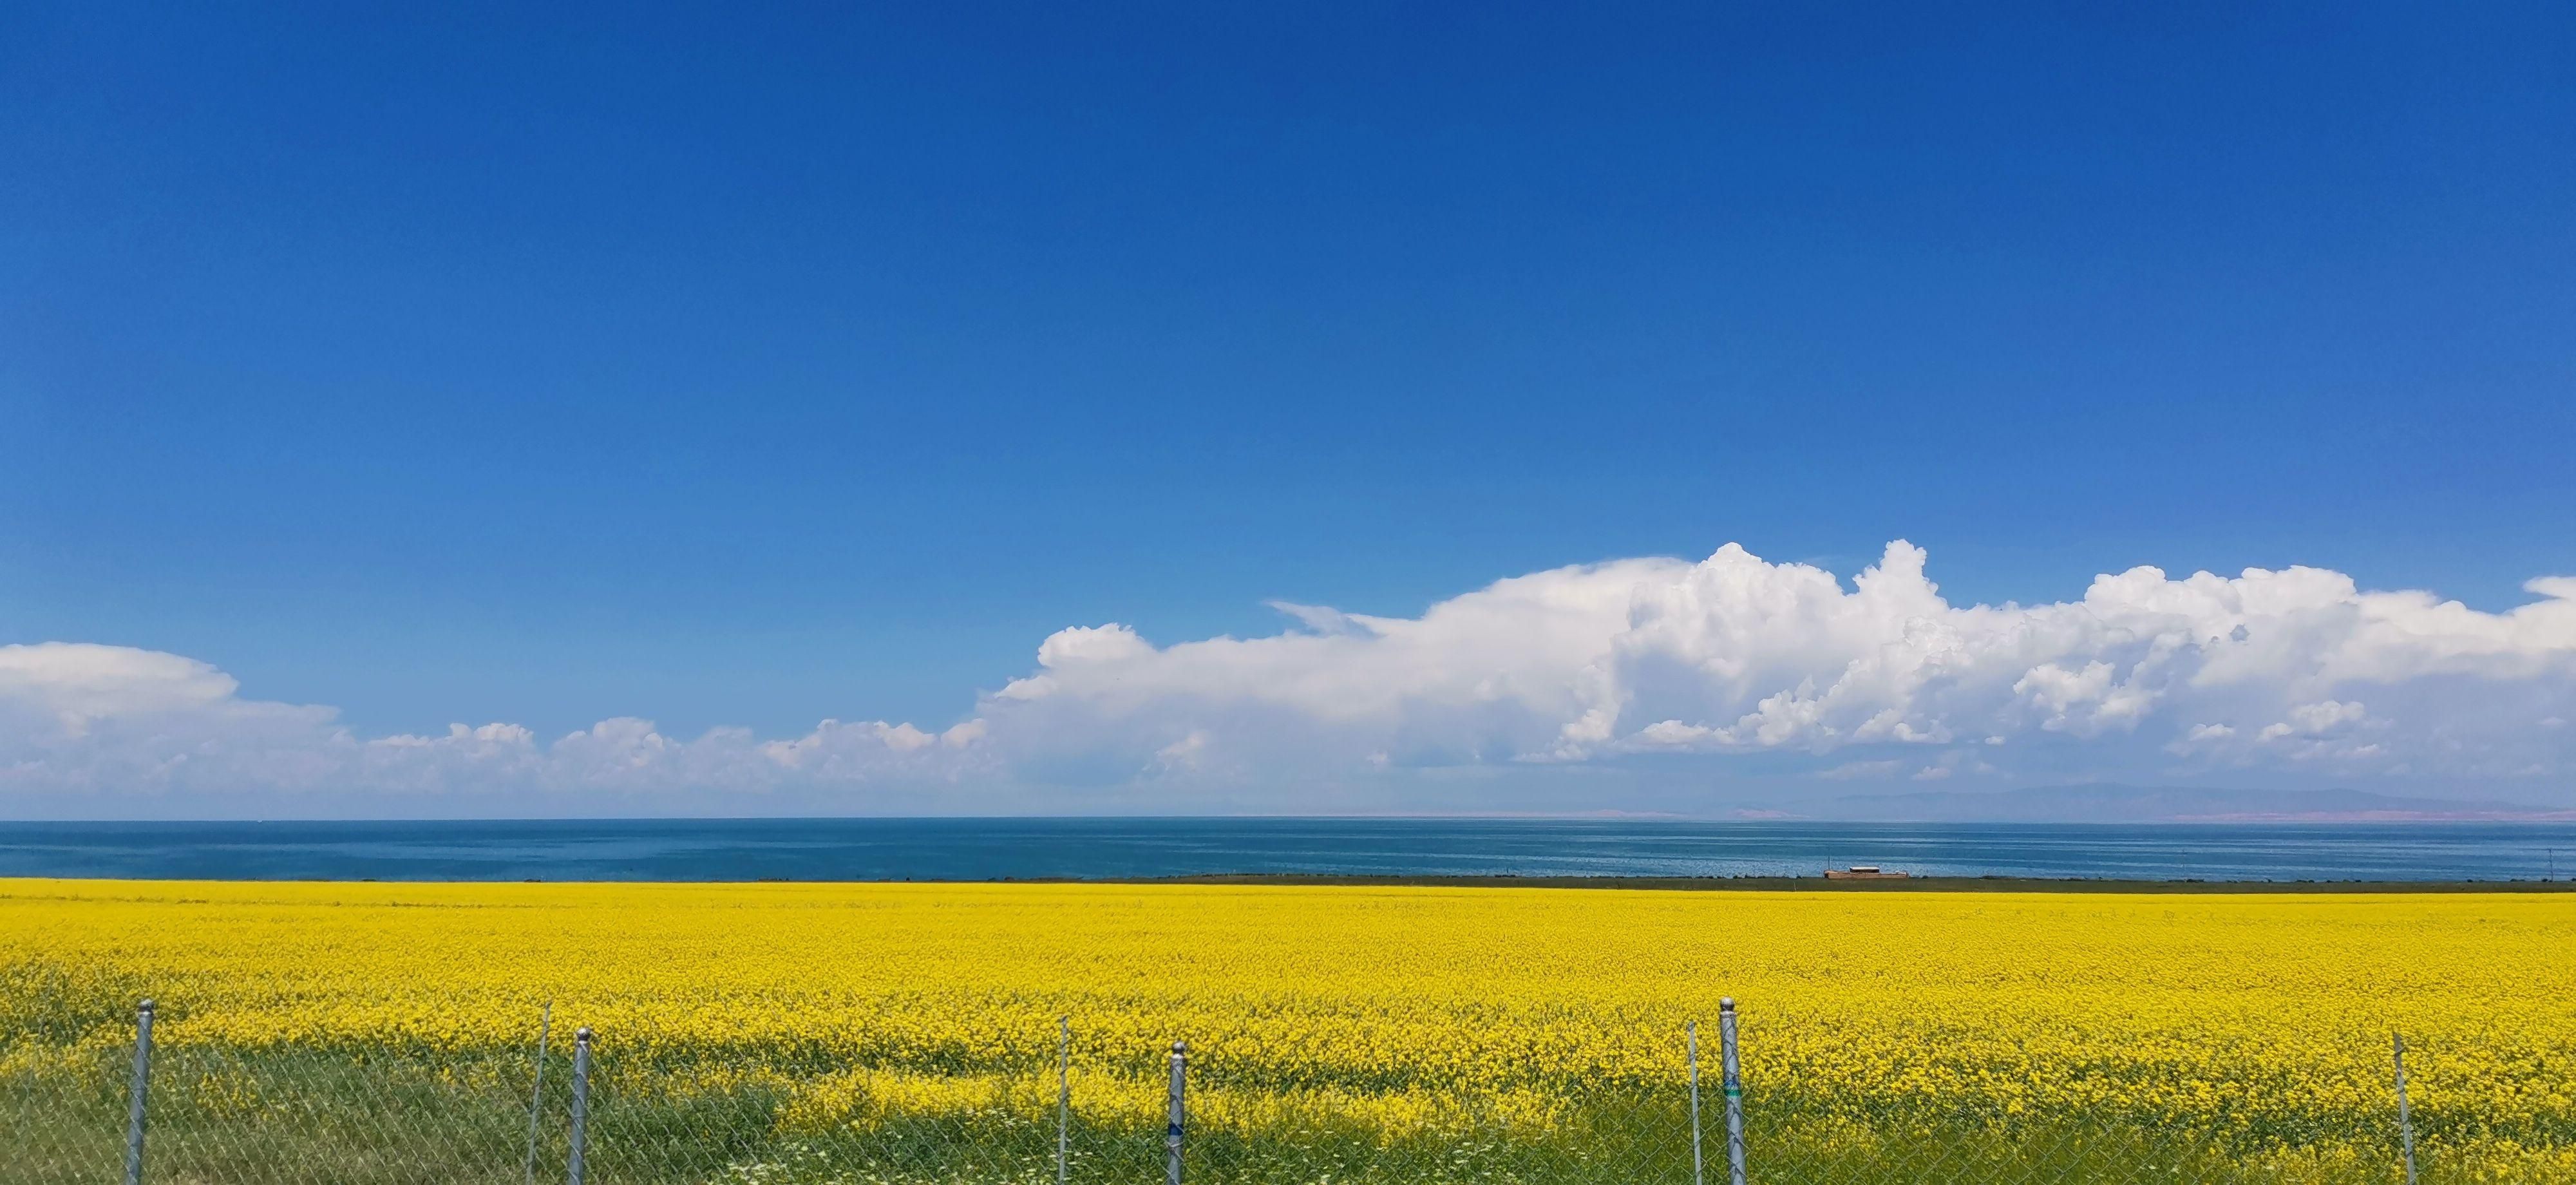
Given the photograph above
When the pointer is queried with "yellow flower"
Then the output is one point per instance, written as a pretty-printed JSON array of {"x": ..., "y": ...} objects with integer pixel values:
[{"x": 2260, "y": 1022}]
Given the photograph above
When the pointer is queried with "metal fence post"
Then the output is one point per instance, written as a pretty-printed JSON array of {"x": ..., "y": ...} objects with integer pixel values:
[
  {"x": 1690, "y": 1036},
  {"x": 135, "y": 1096},
  {"x": 1063, "y": 1095},
  {"x": 580, "y": 1102},
  {"x": 537, "y": 1093},
  {"x": 1733, "y": 1082},
  {"x": 2405, "y": 1123},
  {"x": 1172, "y": 1133}
]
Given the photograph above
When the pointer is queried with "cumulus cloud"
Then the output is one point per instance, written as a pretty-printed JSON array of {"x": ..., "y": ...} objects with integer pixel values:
[
  {"x": 1693, "y": 670},
  {"x": 1738, "y": 656},
  {"x": 114, "y": 719}
]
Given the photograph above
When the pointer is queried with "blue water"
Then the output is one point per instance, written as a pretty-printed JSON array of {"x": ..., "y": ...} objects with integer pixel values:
[{"x": 993, "y": 849}]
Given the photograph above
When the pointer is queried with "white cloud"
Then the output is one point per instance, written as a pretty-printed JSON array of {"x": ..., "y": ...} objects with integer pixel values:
[
  {"x": 1735, "y": 655},
  {"x": 2327, "y": 716},
  {"x": 97, "y": 719},
  {"x": 1718, "y": 666},
  {"x": 1181, "y": 756},
  {"x": 77, "y": 682},
  {"x": 1862, "y": 770}
]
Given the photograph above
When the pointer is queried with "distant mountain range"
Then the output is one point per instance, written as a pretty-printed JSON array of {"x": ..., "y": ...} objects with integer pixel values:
[{"x": 2157, "y": 804}]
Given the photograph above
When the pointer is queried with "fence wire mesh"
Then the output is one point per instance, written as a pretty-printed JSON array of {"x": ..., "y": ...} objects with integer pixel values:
[
  {"x": 66, "y": 1107},
  {"x": 222, "y": 1115},
  {"x": 1013, "y": 1107}
]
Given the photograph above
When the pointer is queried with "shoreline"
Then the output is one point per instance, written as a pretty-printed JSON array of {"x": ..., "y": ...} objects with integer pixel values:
[
  {"x": 1818, "y": 884},
  {"x": 1714, "y": 884}
]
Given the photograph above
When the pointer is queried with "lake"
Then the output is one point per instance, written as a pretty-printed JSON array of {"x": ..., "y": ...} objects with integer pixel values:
[{"x": 993, "y": 849}]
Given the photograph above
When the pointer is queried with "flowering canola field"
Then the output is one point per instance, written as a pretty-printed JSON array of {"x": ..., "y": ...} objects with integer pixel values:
[{"x": 2251, "y": 1028}]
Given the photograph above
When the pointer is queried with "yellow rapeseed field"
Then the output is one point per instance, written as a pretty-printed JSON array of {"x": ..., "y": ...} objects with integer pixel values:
[{"x": 2260, "y": 1021}]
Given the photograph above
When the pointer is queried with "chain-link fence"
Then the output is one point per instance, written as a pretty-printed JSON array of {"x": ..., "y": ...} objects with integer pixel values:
[{"x": 169, "y": 1107}]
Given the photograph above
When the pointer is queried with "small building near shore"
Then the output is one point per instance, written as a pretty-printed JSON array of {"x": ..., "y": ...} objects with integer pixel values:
[{"x": 1864, "y": 872}]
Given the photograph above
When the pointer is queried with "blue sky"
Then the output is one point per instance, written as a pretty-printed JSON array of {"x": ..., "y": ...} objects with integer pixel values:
[{"x": 718, "y": 368}]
